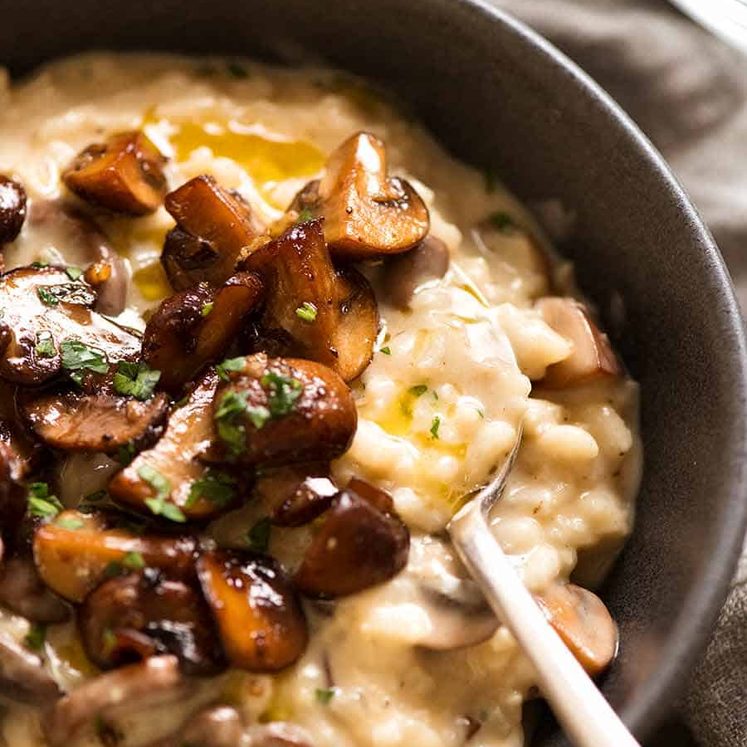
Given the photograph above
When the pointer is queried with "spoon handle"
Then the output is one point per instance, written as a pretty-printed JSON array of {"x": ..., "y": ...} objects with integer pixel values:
[{"x": 586, "y": 717}]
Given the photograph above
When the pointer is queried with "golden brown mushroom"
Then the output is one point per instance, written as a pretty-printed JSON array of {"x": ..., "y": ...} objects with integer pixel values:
[
  {"x": 23, "y": 592},
  {"x": 213, "y": 226},
  {"x": 260, "y": 620},
  {"x": 592, "y": 356},
  {"x": 360, "y": 542},
  {"x": 23, "y": 677},
  {"x": 144, "y": 613},
  {"x": 123, "y": 174},
  {"x": 89, "y": 422},
  {"x": 366, "y": 212},
  {"x": 169, "y": 479},
  {"x": 75, "y": 551},
  {"x": 197, "y": 326},
  {"x": 330, "y": 315},
  {"x": 277, "y": 411},
  {"x": 12, "y": 209},
  {"x": 583, "y": 622}
]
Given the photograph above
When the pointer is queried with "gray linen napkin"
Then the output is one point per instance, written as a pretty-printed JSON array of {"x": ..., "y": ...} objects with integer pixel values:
[{"x": 688, "y": 92}]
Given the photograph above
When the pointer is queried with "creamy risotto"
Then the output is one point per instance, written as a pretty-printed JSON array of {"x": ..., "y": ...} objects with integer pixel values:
[{"x": 256, "y": 554}]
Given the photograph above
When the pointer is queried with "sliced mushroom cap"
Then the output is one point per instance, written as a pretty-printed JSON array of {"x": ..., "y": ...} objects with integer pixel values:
[
  {"x": 260, "y": 620},
  {"x": 330, "y": 315},
  {"x": 12, "y": 209},
  {"x": 297, "y": 493},
  {"x": 151, "y": 683},
  {"x": 144, "y": 613},
  {"x": 88, "y": 422},
  {"x": 218, "y": 726},
  {"x": 48, "y": 325},
  {"x": 22, "y": 675},
  {"x": 404, "y": 273},
  {"x": 213, "y": 226},
  {"x": 367, "y": 213},
  {"x": 172, "y": 473},
  {"x": 360, "y": 542},
  {"x": 197, "y": 326},
  {"x": 592, "y": 356},
  {"x": 83, "y": 243},
  {"x": 22, "y": 591},
  {"x": 123, "y": 174},
  {"x": 76, "y": 551},
  {"x": 584, "y": 624},
  {"x": 276, "y": 411}
]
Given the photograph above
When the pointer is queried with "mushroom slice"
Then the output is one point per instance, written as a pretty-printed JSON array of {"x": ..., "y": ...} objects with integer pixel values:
[
  {"x": 95, "y": 422},
  {"x": 331, "y": 315},
  {"x": 149, "y": 684},
  {"x": 592, "y": 356},
  {"x": 217, "y": 726},
  {"x": 22, "y": 675},
  {"x": 83, "y": 244},
  {"x": 169, "y": 479},
  {"x": 366, "y": 213},
  {"x": 145, "y": 613},
  {"x": 213, "y": 226},
  {"x": 280, "y": 410},
  {"x": 123, "y": 174},
  {"x": 76, "y": 551},
  {"x": 584, "y": 624},
  {"x": 260, "y": 620},
  {"x": 22, "y": 591},
  {"x": 297, "y": 493},
  {"x": 12, "y": 209},
  {"x": 47, "y": 325},
  {"x": 197, "y": 326},
  {"x": 360, "y": 542},
  {"x": 404, "y": 273}
]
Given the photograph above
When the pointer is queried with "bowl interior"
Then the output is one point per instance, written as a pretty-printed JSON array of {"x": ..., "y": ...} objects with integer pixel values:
[{"x": 501, "y": 98}]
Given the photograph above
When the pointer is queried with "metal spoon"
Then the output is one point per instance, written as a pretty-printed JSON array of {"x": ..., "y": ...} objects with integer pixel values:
[{"x": 586, "y": 717}]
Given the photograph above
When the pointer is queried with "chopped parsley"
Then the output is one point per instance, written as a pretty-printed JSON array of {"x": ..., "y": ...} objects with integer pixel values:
[
  {"x": 36, "y": 636},
  {"x": 73, "y": 272},
  {"x": 386, "y": 350},
  {"x": 95, "y": 497},
  {"x": 216, "y": 487},
  {"x": 325, "y": 694},
  {"x": 435, "y": 425},
  {"x": 69, "y": 522},
  {"x": 207, "y": 308},
  {"x": 304, "y": 216},
  {"x": 46, "y": 297},
  {"x": 258, "y": 537},
  {"x": 41, "y": 503},
  {"x": 77, "y": 357},
  {"x": 418, "y": 390},
  {"x": 283, "y": 392},
  {"x": 229, "y": 365},
  {"x": 135, "y": 380},
  {"x": 126, "y": 453},
  {"x": 78, "y": 293},
  {"x": 502, "y": 221},
  {"x": 45, "y": 345},
  {"x": 134, "y": 561},
  {"x": 39, "y": 265},
  {"x": 307, "y": 312},
  {"x": 231, "y": 430},
  {"x": 159, "y": 503}
]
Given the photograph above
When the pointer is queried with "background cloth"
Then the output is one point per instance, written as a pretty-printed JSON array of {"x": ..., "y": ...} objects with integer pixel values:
[{"x": 688, "y": 92}]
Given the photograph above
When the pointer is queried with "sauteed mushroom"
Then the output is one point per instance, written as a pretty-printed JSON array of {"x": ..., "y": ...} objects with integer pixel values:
[
  {"x": 331, "y": 315},
  {"x": 360, "y": 542},
  {"x": 277, "y": 411},
  {"x": 169, "y": 479},
  {"x": 197, "y": 326},
  {"x": 23, "y": 592},
  {"x": 88, "y": 422},
  {"x": 592, "y": 356},
  {"x": 277, "y": 734},
  {"x": 145, "y": 613},
  {"x": 48, "y": 326},
  {"x": 75, "y": 551},
  {"x": 213, "y": 226},
  {"x": 123, "y": 174},
  {"x": 22, "y": 675},
  {"x": 12, "y": 209},
  {"x": 218, "y": 726},
  {"x": 366, "y": 213},
  {"x": 581, "y": 619},
  {"x": 261, "y": 623}
]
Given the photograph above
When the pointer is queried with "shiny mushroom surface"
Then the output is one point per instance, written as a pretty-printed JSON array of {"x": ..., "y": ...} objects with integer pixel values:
[
  {"x": 22, "y": 591},
  {"x": 12, "y": 208},
  {"x": 22, "y": 675}
]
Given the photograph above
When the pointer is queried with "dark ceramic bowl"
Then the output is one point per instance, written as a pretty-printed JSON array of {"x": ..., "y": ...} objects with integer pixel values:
[{"x": 502, "y": 98}]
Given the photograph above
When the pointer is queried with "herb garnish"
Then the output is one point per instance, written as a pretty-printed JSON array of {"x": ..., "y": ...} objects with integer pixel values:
[
  {"x": 435, "y": 425},
  {"x": 307, "y": 312},
  {"x": 387, "y": 350},
  {"x": 126, "y": 453},
  {"x": 207, "y": 308},
  {"x": 228, "y": 365},
  {"x": 304, "y": 216},
  {"x": 159, "y": 503},
  {"x": 41, "y": 503},
  {"x": 47, "y": 298},
  {"x": 325, "y": 694},
  {"x": 231, "y": 407},
  {"x": 77, "y": 357},
  {"x": 78, "y": 293},
  {"x": 134, "y": 561},
  {"x": 217, "y": 487},
  {"x": 73, "y": 272},
  {"x": 135, "y": 380},
  {"x": 258, "y": 537},
  {"x": 69, "y": 522},
  {"x": 283, "y": 392},
  {"x": 36, "y": 636},
  {"x": 45, "y": 345},
  {"x": 418, "y": 390}
]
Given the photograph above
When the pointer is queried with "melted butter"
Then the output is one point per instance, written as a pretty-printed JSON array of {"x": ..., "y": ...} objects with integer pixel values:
[{"x": 152, "y": 282}]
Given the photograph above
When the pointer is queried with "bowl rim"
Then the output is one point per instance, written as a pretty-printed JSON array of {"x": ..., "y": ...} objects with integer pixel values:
[{"x": 699, "y": 612}]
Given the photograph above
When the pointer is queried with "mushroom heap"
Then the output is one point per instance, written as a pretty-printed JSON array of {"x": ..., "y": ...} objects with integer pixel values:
[{"x": 241, "y": 378}]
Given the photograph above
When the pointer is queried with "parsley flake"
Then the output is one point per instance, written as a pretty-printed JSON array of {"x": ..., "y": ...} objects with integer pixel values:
[
  {"x": 126, "y": 453},
  {"x": 77, "y": 357},
  {"x": 207, "y": 308},
  {"x": 69, "y": 522},
  {"x": 47, "y": 298},
  {"x": 77, "y": 293},
  {"x": 45, "y": 345},
  {"x": 258, "y": 537},
  {"x": 135, "y": 380},
  {"x": 134, "y": 561},
  {"x": 230, "y": 364},
  {"x": 41, "y": 503},
  {"x": 418, "y": 390},
  {"x": 159, "y": 503},
  {"x": 386, "y": 351},
  {"x": 435, "y": 425},
  {"x": 73, "y": 272},
  {"x": 307, "y": 312},
  {"x": 283, "y": 392},
  {"x": 36, "y": 636},
  {"x": 304, "y": 216},
  {"x": 325, "y": 694},
  {"x": 216, "y": 487}
]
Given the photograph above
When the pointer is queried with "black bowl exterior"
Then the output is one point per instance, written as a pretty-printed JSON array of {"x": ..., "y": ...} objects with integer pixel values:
[{"x": 501, "y": 97}]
